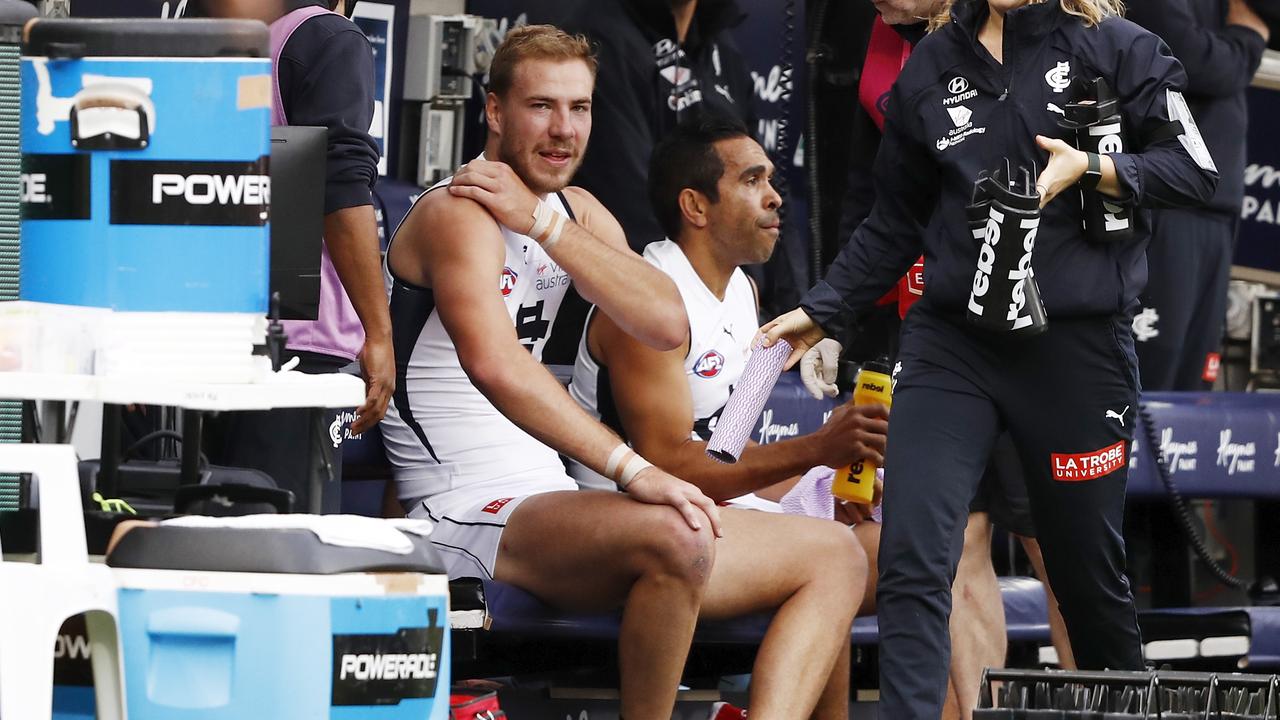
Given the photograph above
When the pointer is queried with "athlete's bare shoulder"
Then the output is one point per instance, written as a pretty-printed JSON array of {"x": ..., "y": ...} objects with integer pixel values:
[
  {"x": 439, "y": 214},
  {"x": 594, "y": 216},
  {"x": 439, "y": 229}
]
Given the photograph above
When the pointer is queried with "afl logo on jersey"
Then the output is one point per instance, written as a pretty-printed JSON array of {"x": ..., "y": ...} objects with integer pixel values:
[
  {"x": 709, "y": 365},
  {"x": 508, "y": 281}
]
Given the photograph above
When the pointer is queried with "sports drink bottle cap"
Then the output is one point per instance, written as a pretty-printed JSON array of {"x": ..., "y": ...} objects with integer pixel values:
[{"x": 880, "y": 365}]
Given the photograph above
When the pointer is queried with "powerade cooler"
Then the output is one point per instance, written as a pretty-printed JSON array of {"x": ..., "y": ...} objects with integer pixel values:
[
  {"x": 145, "y": 147},
  {"x": 230, "y": 623}
]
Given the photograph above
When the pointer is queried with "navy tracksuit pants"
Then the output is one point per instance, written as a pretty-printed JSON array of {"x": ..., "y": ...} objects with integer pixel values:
[
  {"x": 1068, "y": 398},
  {"x": 1184, "y": 304}
]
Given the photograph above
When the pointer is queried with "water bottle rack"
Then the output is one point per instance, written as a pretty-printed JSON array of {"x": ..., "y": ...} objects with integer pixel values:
[{"x": 1061, "y": 695}]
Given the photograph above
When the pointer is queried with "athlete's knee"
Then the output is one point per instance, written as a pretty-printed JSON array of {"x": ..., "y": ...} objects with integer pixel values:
[
  {"x": 840, "y": 543},
  {"x": 670, "y": 548},
  {"x": 836, "y": 559}
]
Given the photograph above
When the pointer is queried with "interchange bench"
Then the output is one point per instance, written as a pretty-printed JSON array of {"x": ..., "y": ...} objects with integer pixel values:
[
  {"x": 511, "y": 610},
  {"x": 517, "y": 634},
  {"x": 1222, "y": 445}
]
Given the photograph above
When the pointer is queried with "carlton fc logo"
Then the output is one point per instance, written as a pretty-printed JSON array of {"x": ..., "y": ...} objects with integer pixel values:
[
  {"x": 1059, "y": 77},
  {"x": 508, "y": 281},
  {"x": 709, "y": 365}
]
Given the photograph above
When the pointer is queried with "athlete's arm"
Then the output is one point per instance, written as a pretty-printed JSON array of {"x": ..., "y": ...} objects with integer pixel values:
[
  {"x": 337, "y": 92},
  {"x": 654, "y": 403},
  {"x": 351, "y": 235},
  {"x": 457, "y": 249},
  {"x": 593, "y": 253}
]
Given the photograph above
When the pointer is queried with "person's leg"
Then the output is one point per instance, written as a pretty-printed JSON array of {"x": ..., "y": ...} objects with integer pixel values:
[
  {"x": 868, "y": 534},
  {"x": 938, "y": 447},
  {"x": 1169, "y": 299},
  {"x": 833, "y": 704},
  {"x": 598, "y": 551},
  {"x": 1076, "y": 463},
  {"x": 978, "y": 638},
  {"x": 811, "y": 573},
  {"x": 1057, "y": 628},
  {"x": 1214, "y": 237}
]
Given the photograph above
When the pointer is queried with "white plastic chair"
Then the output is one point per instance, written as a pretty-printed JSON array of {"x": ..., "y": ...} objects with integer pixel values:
[{"x": 36, "y": 598}]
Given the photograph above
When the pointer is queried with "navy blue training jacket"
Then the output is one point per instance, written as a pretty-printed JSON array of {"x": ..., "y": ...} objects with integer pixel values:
[
  {"x": 1220, "y": 61},
  {"x": 955, "y": 111}
]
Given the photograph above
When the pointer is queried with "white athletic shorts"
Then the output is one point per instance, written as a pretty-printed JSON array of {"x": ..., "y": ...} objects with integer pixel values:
[{"x": 468, "y": 522}]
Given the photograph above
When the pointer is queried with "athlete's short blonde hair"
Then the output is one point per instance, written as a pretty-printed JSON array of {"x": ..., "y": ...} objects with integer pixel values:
[
  {"x": 1091, "y": 11},
  {"x": 536, "y": 42}
]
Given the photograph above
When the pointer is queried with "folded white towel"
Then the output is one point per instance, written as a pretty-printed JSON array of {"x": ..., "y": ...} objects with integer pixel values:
[{"x": 340, "y": 530}]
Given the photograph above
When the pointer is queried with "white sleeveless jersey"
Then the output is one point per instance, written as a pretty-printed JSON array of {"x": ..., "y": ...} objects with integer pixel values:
[
  {"x": 441, "y": 434},
  {"x": 720, "y": 334}
]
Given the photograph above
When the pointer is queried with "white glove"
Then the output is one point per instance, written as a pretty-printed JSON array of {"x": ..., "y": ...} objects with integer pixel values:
[{"x": 819, "y": 366}]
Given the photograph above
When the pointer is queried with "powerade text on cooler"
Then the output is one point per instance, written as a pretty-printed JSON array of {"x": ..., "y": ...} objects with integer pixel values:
[{"x": 856, "y": 483}]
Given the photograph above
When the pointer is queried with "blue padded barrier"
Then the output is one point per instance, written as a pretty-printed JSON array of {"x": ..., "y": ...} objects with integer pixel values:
[{"x": 1219, "y": 445}]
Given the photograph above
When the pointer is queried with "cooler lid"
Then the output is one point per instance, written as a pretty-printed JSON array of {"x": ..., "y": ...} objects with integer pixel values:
[
  {"x": 233, "y": 545},
  {"x": 16, "y": 12},
  {"x": 138, "y": 37}
]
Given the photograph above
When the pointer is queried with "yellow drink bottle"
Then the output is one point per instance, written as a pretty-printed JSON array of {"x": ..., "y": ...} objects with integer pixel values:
[{"x": 857, "y": 483}]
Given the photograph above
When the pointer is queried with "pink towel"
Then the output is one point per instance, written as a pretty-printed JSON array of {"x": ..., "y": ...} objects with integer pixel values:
[{"x": 812, "y": 496}]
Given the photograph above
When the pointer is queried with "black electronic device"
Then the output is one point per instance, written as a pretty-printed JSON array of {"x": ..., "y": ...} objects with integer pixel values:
[
  {"x": 1265, "y": 358},
  {"x": 297, "y": 217}
]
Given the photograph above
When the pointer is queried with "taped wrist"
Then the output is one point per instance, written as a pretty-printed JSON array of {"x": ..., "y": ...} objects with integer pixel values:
[
  {"x": 623, "y": 465},
  {"x": 547, "y": 226}
]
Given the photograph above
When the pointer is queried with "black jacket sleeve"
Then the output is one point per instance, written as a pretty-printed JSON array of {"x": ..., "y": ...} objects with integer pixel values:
[
  {"x": 327, "y": 80},
  {"x": 1219, "y": 62},
  {"x": 1148, "y": 81},
  {"x": 860, "y": 193},
  {"x": 888, "y": 242}
]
